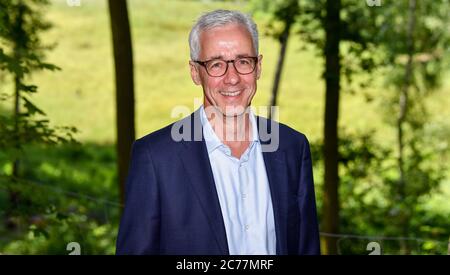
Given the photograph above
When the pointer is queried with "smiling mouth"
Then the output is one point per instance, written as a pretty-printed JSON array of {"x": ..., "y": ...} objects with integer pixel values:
[{"x": 235, "y": 93}]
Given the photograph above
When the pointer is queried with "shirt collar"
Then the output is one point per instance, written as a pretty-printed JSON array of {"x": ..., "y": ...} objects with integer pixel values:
[{"x": 213, "y": 141}]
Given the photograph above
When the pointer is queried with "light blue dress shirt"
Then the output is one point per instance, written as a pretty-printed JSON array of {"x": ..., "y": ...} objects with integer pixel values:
[{"x": 244, "y": 194}]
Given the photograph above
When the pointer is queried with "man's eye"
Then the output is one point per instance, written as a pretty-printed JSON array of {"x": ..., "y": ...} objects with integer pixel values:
[
  {"x": 216, "y": 65},
  {"x": 244, "y": 62}
]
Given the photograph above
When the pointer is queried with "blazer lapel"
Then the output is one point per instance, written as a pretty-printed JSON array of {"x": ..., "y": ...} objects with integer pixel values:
[
  {"x": 276, "y": 169},
  {"x": 194, "y": 156}
]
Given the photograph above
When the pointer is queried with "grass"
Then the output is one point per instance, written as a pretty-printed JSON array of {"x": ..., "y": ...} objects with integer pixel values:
[{"x": 82, "y": 94}]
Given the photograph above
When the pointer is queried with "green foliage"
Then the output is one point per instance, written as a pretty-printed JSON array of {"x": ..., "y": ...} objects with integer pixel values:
[
  {"x": 50, "y": 234},
  {"x": 358, "y": 47},
  {"x": 68, "y": 196},
  {"x": 276, "y": 15},
  {"x": 375, "y": 40},
  {"x": 21, "y": 53},
  {"x": 369, "y": 204},
  {"x": 430, "y": 47},
  {"x": 414, "y": 45}
]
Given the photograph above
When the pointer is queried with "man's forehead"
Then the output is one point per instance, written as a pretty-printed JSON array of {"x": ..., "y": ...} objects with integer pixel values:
[
  {"x": 230, "y": 29},
  {"x": 224, "y": 42}
]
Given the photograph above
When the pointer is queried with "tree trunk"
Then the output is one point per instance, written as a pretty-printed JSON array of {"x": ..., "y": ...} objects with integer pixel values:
[
  {"x": 283, "y": 43},
  {"x": 15, "y": 166},
  {"x": 123, "y": 59},
  {"x": 331, "y": 154},
  {"x": 402, "y": 118},
  {"x": 19, "y": 45}
]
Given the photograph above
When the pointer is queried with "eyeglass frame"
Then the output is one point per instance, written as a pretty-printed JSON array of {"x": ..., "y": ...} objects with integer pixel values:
[{"x": 203, "y": 63}]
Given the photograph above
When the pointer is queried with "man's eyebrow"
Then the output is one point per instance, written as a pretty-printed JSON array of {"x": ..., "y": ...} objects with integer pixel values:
[
  {"x": 243, "y": 55},
  {"x": 216, "y": 57},
  {"x": 221, "y": 56}
]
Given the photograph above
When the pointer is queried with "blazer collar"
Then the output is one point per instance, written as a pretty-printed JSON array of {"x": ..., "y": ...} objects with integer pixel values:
[{"x": 194, "y": 156}]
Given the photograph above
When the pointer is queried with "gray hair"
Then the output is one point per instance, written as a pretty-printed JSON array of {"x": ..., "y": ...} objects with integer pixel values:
[{"x": 219, "y": 18}]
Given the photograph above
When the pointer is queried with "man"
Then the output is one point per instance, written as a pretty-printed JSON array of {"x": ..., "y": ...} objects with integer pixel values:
[{"x": 229, "y": 191}]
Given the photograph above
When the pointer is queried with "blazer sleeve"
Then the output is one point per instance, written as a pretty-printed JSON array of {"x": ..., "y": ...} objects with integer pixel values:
[
  {"x": 309, "y": 241},
  {"x": 139, "y": 228}
]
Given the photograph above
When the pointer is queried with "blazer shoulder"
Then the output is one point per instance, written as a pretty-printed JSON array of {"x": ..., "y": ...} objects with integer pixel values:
[
  {"x": 161, "y": 141},
  {"x": 161, "y": 137}
]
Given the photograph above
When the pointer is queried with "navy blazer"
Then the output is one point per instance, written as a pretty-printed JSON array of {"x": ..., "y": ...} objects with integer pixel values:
[{"x": 172, "y": 205}]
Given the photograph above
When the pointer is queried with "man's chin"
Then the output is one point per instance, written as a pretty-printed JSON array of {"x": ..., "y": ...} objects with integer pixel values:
[
  {"x": 227, "y": 111},
  {"x": 234, "y": 111}
]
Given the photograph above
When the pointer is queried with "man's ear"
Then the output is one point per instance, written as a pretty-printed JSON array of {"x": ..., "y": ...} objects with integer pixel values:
[
  {"x": 258, "y": 66},
  {"x": 195, "y": 74}
]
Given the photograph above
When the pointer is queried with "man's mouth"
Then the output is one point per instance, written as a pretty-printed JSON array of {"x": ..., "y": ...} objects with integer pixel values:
[{"x": 230, "y": 93}]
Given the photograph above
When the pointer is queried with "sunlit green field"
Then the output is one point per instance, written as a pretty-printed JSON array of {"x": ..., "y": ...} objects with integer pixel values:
[{"x": 82, "y": 94}]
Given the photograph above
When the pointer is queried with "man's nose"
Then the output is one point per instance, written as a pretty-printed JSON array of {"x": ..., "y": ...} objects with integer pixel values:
[{"x": 231, "y": 76}]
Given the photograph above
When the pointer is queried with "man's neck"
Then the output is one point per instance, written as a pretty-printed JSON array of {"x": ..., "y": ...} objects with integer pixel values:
[{"x": 233, "y": 131}]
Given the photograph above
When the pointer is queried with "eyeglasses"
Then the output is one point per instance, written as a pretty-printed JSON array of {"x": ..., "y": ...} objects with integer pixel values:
[{"x": 219, "y": 67}]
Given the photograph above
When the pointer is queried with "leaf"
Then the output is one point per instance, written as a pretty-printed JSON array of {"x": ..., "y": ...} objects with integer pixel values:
[
  {"x": 61, "y": 216},
  {"x": 28, "y": 88},
  {"x": 32, "y": 109},
  {"x": 41, "y": 232},
  {"x": 49, "y": 66}
]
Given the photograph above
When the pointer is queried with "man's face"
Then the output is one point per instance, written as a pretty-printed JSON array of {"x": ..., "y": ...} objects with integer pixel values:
[{"x": 231, "y": 93}]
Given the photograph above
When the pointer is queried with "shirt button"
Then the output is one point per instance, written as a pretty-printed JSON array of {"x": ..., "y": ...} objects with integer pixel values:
[
  {"x": 244, "y": 196},
  {"x": 247, "y": 227}
]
